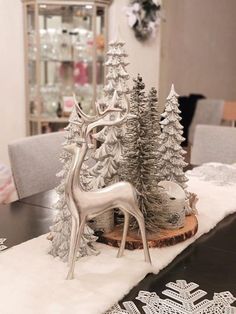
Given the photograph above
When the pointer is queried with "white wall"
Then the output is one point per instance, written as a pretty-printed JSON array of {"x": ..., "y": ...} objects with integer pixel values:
[
  {"x": 199, "y": 48},
  {"x": 143, "y": 58},
  {"x": 12, "y": 104}
]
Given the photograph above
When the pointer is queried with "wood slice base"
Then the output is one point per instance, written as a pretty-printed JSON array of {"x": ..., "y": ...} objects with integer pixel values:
[{"x": 160, "y": 239}]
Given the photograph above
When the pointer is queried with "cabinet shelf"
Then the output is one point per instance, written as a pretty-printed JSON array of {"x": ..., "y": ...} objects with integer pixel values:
[
  {"x": 49, "y": 119},
  {"x": 87, "y": 60},
  {"x": 64, "y": 61},
  {"x": 65, "y": 47}
]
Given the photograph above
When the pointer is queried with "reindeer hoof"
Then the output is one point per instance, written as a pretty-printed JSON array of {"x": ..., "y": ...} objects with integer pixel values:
[
  {"x": 69, "y": 276},
  {"x": 148, "y": 261},
  {"x": 119, "y": 254}
]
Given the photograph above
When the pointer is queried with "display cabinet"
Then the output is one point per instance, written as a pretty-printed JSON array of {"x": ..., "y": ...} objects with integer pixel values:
[{"x": 65, "y": 45}]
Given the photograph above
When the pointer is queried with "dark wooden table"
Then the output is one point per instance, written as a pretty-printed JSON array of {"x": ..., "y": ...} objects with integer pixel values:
[
  {"x": 210, "y": 261},
  {"x": 44, "y": 199},
  {"x": 28, "y": 218}
]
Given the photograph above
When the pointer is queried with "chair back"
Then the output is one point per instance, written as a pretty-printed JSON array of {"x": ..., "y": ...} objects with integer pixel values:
[
  {"x": 35, "y": 162},
  {"x": 208, "y": 111},
  {"x": 213, "y": 144},
  {"x": 230, "y": 112}
]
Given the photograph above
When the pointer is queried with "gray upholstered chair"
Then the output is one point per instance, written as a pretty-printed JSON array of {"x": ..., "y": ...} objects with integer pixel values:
[
  {"x": 208, "y": 111},
  {"x": 35, "y": 162},
  {"x": 213, "y": 144}
]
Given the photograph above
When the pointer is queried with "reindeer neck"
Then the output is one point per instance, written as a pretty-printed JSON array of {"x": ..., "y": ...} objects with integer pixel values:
[{"x": 77, "y": 165}]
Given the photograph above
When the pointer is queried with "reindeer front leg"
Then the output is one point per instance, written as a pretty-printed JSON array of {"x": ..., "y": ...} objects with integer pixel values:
[
  {"x": 72, "y": 252},
  {"x": 79, "y": 233},
  {"x": 74, "y": 227}
]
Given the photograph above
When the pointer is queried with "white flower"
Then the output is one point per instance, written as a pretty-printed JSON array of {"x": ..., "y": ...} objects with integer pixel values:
[{"x": 132, "y": 13}]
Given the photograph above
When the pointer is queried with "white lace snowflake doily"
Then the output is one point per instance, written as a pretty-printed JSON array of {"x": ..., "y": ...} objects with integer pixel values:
[
  {"x": 2, "y": 246},
  {"x": 182, "y": 299},
  {"x": 220, "y": 174}
]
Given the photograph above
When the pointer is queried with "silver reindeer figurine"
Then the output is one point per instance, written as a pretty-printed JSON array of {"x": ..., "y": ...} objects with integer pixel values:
[{"x": 85, "y": 205}]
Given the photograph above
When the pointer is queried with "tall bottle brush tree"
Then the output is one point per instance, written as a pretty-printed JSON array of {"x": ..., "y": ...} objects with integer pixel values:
[
  {"x": 130, "y": 165},
  {"x": 139, "y": 159},
  {"x": 171, "y": 163}
]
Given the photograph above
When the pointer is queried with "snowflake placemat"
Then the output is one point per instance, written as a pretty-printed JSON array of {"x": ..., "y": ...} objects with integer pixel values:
[
  {"x": 2, "y": 246},
  {"x": 220, "y": 174},
  {"x": 183, "y": 298}
]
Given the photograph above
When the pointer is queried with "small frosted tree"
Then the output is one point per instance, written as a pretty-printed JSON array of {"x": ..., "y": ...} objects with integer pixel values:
[
  {"x": 171, "y": 163},
  {"x": 61, "y": 230}
]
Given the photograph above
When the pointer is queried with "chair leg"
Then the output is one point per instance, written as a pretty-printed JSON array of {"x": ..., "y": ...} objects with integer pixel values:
[
  {"x": 141, "y": 224},
  {"x": 124, "y": 236},
  {"x": 79, "y": 232}
]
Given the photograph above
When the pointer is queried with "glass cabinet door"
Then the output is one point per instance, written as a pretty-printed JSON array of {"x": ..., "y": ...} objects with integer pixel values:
[
  {"x": 65, "y": 48},
  {"x": 100, "y": 49},
  {"x": 30, "y": 62},
  {"x": 66, "y": 43}
]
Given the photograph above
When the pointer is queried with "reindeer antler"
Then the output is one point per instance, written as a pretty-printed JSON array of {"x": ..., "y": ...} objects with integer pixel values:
[
  {"x": 102, "y": 121},
  {"x": 83, "y": 115},
  {"x": 90, "y": 122},
  {"x": 101, "y": 114}
]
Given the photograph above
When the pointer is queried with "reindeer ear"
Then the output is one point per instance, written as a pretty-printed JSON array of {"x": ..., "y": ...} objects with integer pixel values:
[
  {"x": 70, "y": 148},
  {"x": 91, "y": 146}
]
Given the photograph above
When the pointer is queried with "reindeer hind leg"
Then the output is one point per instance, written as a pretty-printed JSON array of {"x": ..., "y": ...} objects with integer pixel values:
[{"x": 124, "y": 236}]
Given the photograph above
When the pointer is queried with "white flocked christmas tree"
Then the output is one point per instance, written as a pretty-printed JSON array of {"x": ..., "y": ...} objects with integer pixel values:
[
  {"x": 171, "y": 154},
  {"x": 108, "y": 154}
]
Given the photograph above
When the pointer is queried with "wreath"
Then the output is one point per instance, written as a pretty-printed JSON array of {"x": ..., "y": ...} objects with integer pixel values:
[{"x": 143, "y": 17}]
